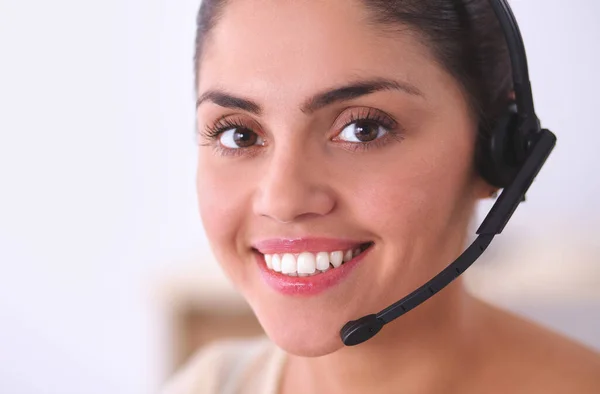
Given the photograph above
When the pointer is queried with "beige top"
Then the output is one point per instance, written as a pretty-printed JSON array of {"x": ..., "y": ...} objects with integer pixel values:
[{"x": 231, "y": 367}]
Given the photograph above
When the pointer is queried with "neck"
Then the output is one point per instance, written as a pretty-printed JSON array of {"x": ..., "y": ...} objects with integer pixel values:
[{"x": 417, "y": 352}]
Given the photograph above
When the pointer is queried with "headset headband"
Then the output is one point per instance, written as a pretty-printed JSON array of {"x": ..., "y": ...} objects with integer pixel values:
[{"x": 518, "y": 57}]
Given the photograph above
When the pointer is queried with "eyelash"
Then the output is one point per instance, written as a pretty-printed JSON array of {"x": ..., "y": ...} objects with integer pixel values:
[{"x": 212, "y": 132}]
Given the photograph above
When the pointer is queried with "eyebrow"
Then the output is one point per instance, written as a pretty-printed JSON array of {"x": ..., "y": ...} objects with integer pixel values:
[{"x": 317, "y": 102}]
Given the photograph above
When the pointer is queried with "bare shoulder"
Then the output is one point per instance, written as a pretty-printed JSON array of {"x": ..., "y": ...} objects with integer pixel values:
[{"x": 526, "y": 357}]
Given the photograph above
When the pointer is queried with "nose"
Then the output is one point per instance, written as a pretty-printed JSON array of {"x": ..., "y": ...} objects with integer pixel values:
[{"x": 292, "y": 187}]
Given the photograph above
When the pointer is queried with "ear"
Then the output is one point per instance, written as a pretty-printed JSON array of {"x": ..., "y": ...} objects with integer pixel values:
[{"x": 482, "y": 189}]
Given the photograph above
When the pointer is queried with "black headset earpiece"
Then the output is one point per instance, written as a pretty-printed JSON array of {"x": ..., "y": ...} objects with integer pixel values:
[{"x": 496, "y": 157}]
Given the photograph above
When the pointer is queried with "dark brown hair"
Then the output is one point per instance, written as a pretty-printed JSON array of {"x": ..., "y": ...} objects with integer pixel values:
[{"x": 463, "y": 35}]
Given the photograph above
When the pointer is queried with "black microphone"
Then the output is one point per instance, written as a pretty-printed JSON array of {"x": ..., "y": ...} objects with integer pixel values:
[{"x": 358, "y": 331}]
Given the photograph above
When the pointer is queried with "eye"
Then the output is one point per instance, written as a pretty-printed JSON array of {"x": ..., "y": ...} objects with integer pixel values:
[
  {"x": 362, "y": 131},
  {"x": 239, "y": 137}
]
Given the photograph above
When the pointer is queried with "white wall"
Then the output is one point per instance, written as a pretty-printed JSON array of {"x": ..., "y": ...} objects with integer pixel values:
[{"x": 97, "y": 177}]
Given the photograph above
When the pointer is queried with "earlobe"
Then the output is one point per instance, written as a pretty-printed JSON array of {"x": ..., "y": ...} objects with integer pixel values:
[{"x": 483, "y": 190}]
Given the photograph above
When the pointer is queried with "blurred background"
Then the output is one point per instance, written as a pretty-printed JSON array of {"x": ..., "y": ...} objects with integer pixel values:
[{"x": 106, "y": 279}]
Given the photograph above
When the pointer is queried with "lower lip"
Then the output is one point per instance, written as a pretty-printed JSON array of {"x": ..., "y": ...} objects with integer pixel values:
[{"x": 307, "y": 285}]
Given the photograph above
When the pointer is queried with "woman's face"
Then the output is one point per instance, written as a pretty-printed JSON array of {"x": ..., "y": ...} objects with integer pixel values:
[{"x": 328, "y": 135}]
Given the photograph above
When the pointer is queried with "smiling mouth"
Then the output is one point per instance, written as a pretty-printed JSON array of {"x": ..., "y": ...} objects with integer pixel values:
[{"x": 311, "y": 264}]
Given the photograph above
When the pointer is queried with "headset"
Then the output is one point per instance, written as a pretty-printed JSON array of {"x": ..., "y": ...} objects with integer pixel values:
[{"x": 509, "y": 159}]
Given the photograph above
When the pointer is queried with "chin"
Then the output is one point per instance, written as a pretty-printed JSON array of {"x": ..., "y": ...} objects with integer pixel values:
[
  {"x": 306, "y": 344},
  {"x": 302, "y": 330}
]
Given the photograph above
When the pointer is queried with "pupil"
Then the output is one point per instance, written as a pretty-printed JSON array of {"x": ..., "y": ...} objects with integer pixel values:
[
  {"x": 244, "y": 138},
  {"x": 366, "y": 131}
]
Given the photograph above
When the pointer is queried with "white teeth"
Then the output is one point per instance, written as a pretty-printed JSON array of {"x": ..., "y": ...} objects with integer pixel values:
[
  {"x": 288, "y": 264},
  {"x": 306, "y": 263},
  {"x": 268, "y": 259},
  {"x": 322, "y": 261},
  {"x": 347, "y": 256},
  {"x": 336, "y": 258},
  {"x": 276, "y": 263},
  {"x": 309, "y": 264}
]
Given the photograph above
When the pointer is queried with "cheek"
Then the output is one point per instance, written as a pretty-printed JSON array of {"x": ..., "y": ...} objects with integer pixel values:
[
  {"x": 223, "y": 209},
  {"x": 414, "y": 196},
  {"x": 415, "y": 206}
]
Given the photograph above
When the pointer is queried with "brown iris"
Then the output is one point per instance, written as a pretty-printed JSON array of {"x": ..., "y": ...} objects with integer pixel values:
[
  {"x": 365, "y": 130},
  {"x": 244, "y": 138}
]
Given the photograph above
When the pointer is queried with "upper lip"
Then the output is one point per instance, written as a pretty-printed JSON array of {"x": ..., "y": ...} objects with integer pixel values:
[{"x": 305, "y": 244}]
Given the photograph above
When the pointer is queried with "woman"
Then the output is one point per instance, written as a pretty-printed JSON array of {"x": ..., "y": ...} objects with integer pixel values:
[{"x": 336, "y": 174}]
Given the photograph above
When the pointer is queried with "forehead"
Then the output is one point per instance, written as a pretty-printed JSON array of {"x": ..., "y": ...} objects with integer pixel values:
[{"x": 283, "y": 47}]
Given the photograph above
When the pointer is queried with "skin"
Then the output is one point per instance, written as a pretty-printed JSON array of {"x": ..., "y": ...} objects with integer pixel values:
[{"x": 412, "y": 194}]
